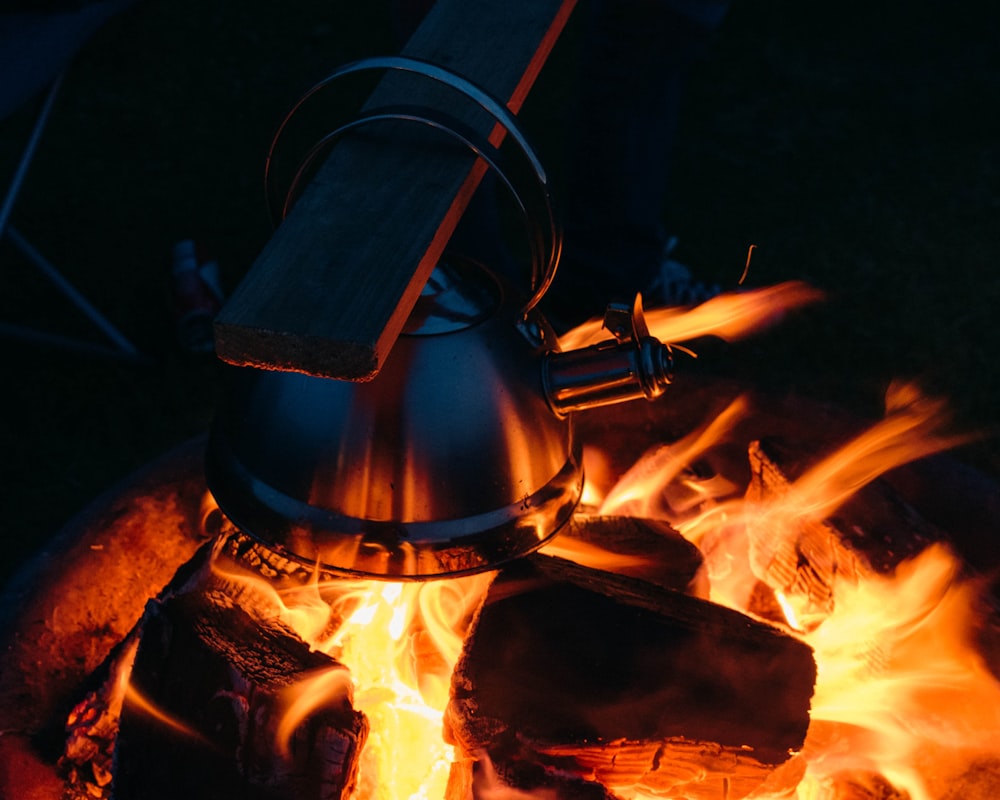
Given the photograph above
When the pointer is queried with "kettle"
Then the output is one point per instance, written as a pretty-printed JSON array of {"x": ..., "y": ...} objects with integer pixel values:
[{"x": 460, "y": 454}]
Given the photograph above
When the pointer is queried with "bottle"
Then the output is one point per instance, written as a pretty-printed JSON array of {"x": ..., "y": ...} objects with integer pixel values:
[{"x": 197, "y": 298}]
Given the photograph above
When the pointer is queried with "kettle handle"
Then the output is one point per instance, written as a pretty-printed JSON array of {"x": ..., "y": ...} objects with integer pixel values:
[{"x": 545, "y": 257}]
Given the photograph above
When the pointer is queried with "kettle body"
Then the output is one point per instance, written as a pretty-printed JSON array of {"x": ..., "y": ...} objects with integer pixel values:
[{"x": 449, "y": 461}]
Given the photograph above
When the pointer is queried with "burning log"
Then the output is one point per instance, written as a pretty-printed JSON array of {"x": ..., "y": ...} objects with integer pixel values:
[
  {"x": 872, "y": 532},
  {"x": 92, "y": 725},
  {"x": 615, "y": 680},
  {"x": 644, "y": 549},
  {"x": 476, "y": 778},
  {"x": 208, "y": 691}
]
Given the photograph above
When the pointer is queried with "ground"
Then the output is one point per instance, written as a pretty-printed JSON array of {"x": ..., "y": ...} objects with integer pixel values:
[{"x": 857, "y": 145}]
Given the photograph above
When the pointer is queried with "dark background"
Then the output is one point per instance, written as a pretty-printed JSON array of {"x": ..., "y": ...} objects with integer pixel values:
[{"x": 857, "y": 144}]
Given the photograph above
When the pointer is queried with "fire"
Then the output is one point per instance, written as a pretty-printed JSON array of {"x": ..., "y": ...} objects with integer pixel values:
[
  {"x": 903, "y": 701},
  {"x": 902, "y": 691},
  {"x": 729, "y": 316},
  {"x": 903, "y": 696},
  {"x": 638, "y": 491},
  {"x": 137, "y": 700},
  {"x": 399, "y": 642},
  {"x": 913, "y": 427}
]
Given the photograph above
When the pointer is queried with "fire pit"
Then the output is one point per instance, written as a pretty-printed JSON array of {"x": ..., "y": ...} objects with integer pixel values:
[
  {"x": 407, "y": 589},
  {"x": 72, "y": 610}
]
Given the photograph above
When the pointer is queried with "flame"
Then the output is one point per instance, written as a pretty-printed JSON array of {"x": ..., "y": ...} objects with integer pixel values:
[
  {"x": 903, "y": 701},
  {"x": 399, "y": 643},
  {"x": 600, "y": 477},
  {"x": 902, "y": 695},
  {"x": 911, "y": 429},
  {"x": 395, "y": 646},
  {"x": 902, "y": 690},
  {"x": 140, "y": 702},
  {"x": 305, "y": 696},
  {"x": 590, "y": 555},
  {"x": 788, "y": 611},
  {"x": 489, "y": 786},
  {"x": 729, "y": 316},
  {"x": 638, "y": 489}
]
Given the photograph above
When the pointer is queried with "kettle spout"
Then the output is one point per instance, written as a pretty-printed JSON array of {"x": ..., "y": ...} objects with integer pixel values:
[{"x": 629, "y": 366}]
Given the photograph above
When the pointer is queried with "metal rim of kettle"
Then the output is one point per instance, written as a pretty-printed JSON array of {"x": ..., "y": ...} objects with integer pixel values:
[{"x": 544, "y": 256}]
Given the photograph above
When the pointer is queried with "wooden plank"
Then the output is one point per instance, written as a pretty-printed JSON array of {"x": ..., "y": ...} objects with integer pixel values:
[{"x": 330, "y": 292}]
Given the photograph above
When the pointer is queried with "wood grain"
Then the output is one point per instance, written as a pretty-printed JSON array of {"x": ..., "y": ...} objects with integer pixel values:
[{"x": 331, "y": 290}]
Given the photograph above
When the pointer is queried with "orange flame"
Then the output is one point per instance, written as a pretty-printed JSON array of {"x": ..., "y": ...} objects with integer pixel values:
[
  {"x": 488, "y": 785},
  {"x": 396, "y": 644},
  {"x": 911, "y": 429},
  {"x": 635, "y": 494},
  {"x": 140, "y": 702},
  {"x": 729, "y": 316},
  {"x": 305, "y": 697},
  {"x": 902, "y": 691},
  {"x": 400, "y": 642}
]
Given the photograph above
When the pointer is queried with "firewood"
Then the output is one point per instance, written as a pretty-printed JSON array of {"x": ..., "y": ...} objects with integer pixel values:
[
  {"x": 677, "y": 768},
  {"x": 219, "y": 675},
  {"x": 620, "y": 681},
  {"x": 91, "y": 727},
  {"x": 93, "y": 724},
  {"x": 473, "y": 779},
  {"x": 644, "y": 549},
  {"x": 871, "y": 533},
  {"x": 867, "y": 786}
]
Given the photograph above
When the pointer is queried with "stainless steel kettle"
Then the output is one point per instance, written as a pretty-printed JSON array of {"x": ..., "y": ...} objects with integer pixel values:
[{"x": 458, "y": 456}]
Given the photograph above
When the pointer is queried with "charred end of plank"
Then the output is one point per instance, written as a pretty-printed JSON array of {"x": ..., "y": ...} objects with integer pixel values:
[
  {"x": 351, "y": 257},
  {"x": 244, "y": 346}
]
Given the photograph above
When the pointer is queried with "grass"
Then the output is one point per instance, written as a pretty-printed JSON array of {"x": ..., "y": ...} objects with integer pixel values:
[{"x": 857, "y": 145}]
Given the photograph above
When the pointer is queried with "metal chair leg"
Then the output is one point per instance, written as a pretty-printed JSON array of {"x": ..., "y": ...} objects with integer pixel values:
[{"x": 121, "y": 346}]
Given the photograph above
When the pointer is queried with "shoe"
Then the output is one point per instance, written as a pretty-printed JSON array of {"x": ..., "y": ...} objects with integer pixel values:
[{"x": 675, "y": 286}]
